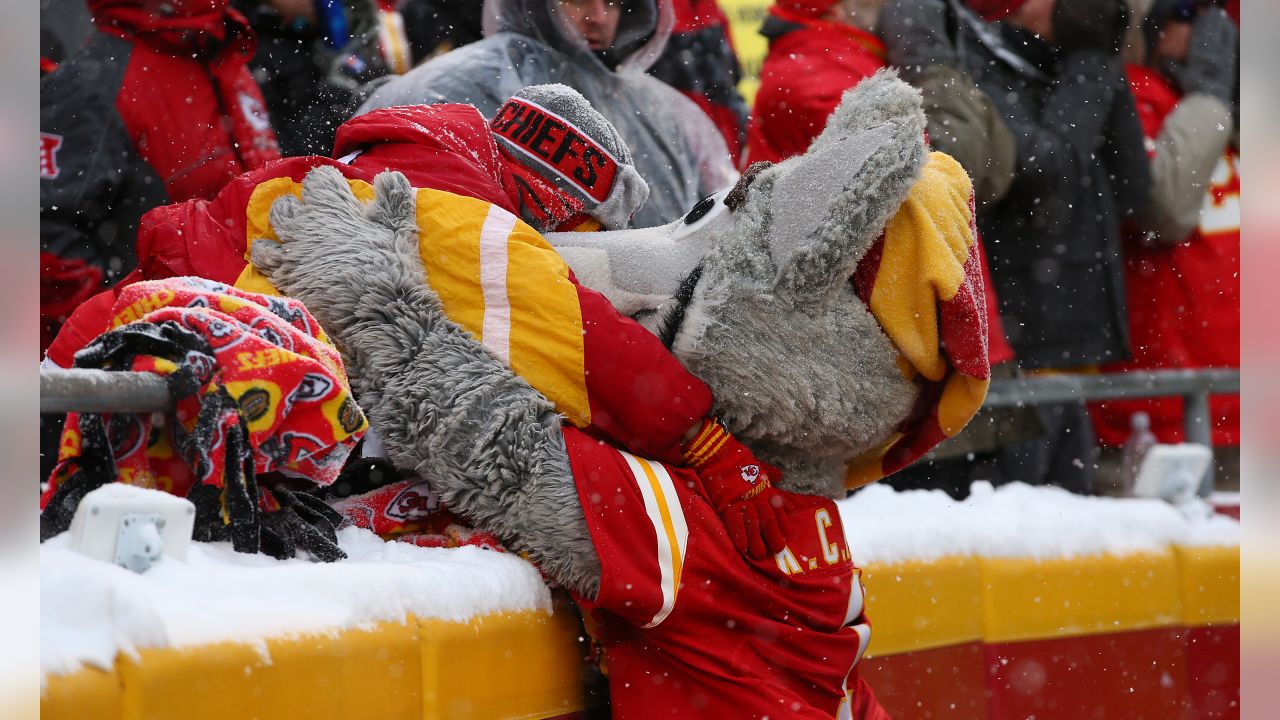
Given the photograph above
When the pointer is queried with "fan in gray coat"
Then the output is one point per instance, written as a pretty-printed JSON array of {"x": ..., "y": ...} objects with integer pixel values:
[{"x": 677, "y": 148}]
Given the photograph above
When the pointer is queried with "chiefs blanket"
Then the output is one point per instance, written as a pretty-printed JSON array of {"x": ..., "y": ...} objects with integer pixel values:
[{"x": 258, "y": 389}]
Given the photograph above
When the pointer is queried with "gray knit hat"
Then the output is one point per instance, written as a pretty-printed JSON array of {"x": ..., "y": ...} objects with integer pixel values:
[{"x": 554, "y": 133}]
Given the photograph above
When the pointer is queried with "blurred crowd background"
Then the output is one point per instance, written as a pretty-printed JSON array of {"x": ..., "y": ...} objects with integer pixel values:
[{"x": 1101, "y": 136}]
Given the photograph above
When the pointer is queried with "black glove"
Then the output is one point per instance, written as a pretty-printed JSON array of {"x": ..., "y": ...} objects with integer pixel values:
[
  {"x": 1090, "y": 25},
  {"x": 1211, "y": 56},
  {"x": 303, "y": 521},
  {"x": 915, "y": 33}
]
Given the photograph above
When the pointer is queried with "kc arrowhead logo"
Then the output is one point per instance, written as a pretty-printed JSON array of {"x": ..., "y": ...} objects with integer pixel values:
[{"x": 751, "y": 473}]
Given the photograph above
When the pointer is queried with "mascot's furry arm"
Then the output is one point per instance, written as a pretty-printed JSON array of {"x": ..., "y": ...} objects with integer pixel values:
[{"x": 444, "y": 406}]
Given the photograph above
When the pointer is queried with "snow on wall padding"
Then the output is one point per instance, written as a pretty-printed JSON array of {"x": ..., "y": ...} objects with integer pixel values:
[
  {"x": 519, "y": 665},
  {"x": 1147, "y": 635}
]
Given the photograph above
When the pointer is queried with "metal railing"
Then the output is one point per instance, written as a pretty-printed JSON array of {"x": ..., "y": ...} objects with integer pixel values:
[
  {"x": 63, "y": 391},
  {"x": 1193, "y": 386}
]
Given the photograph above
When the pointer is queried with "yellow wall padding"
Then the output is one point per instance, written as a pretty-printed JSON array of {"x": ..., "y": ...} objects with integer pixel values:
[
  {"x": 528, "y": 665},
  {"x": 520, "y": 665},
  {"x": 89, "y": 694},
  {"x": 1210, "y": 578},
  {"x": 1027, "y": 599},
  {"x": 918, "y": 605}
]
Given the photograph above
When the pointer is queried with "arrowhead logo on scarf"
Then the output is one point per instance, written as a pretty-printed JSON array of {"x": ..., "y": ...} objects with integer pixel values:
[{"x": 257, "y": 389}]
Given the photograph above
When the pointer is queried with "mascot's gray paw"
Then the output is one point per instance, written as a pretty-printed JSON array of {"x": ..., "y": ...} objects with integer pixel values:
[{"x": 330, "y": 242}]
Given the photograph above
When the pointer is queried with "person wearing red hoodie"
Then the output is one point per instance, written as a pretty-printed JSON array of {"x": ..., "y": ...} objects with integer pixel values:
[
  {"x": 158, "y": 107},
  {"x": 817, "y": 50}
]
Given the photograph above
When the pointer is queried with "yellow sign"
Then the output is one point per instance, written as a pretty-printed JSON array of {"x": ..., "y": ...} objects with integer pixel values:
[{"x": 745, "y": 19}]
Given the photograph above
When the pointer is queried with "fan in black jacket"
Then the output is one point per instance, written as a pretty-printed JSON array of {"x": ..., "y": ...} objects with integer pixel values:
[{"x": 1053, "y": 70}]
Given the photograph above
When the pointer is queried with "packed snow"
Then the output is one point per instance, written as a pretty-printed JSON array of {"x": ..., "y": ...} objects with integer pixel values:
[
  {"x": 92, "y": 610},
  {"x": 1018, "y": 520}
]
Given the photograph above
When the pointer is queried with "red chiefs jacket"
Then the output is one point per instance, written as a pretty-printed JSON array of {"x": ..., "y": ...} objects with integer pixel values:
[
  {"x": 156, "y": 108},
  {"x": 625, "y": 385},
  {"x": 1183, "y": 301},
  {"x": 692, "y": 627}
]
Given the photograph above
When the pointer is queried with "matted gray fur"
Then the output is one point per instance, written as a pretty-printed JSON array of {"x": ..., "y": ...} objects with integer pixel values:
[{"x": 444, "y": 406}]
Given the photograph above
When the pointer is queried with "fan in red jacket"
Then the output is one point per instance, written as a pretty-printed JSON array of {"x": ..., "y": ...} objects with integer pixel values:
[
  {"x": 812, "y": 60},
  {"x": 158, "y": 107}
]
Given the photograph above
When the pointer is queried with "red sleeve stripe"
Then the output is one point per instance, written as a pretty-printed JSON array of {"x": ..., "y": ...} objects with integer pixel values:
[
  {"x": 845, "y": 712},
  {"x": 856, "y": 599},
  {"x": 662, "y": 504}
]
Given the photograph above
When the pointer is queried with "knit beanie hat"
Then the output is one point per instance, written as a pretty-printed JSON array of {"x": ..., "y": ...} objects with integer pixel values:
[
  {"x": 992, "y": 10},
  {"x": 568, "y": 161}
]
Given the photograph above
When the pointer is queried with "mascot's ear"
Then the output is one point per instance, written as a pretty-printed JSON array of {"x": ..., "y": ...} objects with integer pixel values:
[{"x": 830, "y": 204}]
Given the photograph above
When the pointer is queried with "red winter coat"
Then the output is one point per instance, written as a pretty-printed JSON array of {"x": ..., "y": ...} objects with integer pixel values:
[
  {"x": 441, "y": 147},
  {"x": 154, "y": 109},
  {"x": 1183, "y": 301},
  {"x": 809, "y": 66}
]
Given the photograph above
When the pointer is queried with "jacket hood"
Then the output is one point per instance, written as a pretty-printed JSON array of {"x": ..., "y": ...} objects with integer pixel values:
[
  {"x": 178, "y": 23},
  {"x": 642, "y": 35}
]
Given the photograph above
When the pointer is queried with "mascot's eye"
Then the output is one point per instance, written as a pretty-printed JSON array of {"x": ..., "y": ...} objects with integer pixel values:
[{"x": 700, "y": 210}]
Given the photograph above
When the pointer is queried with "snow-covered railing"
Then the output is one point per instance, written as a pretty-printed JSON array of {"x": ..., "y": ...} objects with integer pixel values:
[{"x": 1193, "y": 386}]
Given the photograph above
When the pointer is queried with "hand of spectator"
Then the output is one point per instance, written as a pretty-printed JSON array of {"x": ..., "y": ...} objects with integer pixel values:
[
  {"x": 739, "y": 488},
  {"x": 1090, "y": 25},
  {"x": 302, "y": 522},
  {"x": 1211, "y": 56},
  {"x": 915, "y": 34}
]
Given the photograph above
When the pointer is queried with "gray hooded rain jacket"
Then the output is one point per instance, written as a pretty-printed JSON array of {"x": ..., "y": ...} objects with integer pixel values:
[{"x": 676, "y": 148}]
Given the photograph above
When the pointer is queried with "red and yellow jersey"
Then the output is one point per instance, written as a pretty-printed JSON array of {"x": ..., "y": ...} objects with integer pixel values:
[
  {"x": 693, "y": 629},
  {"x": 1184, "y": 300},
  {"x": 505, "y": 285},
  {"x": 495, "y": 275}
]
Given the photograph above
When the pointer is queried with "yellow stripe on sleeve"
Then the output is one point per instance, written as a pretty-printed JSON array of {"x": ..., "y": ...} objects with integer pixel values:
[{"x": 662, "y": 504}]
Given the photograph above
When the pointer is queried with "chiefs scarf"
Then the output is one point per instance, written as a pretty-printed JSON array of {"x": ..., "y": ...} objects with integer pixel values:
[
  {"x": 923, "y": 283},
  {"x": 257, "y": 390}
]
